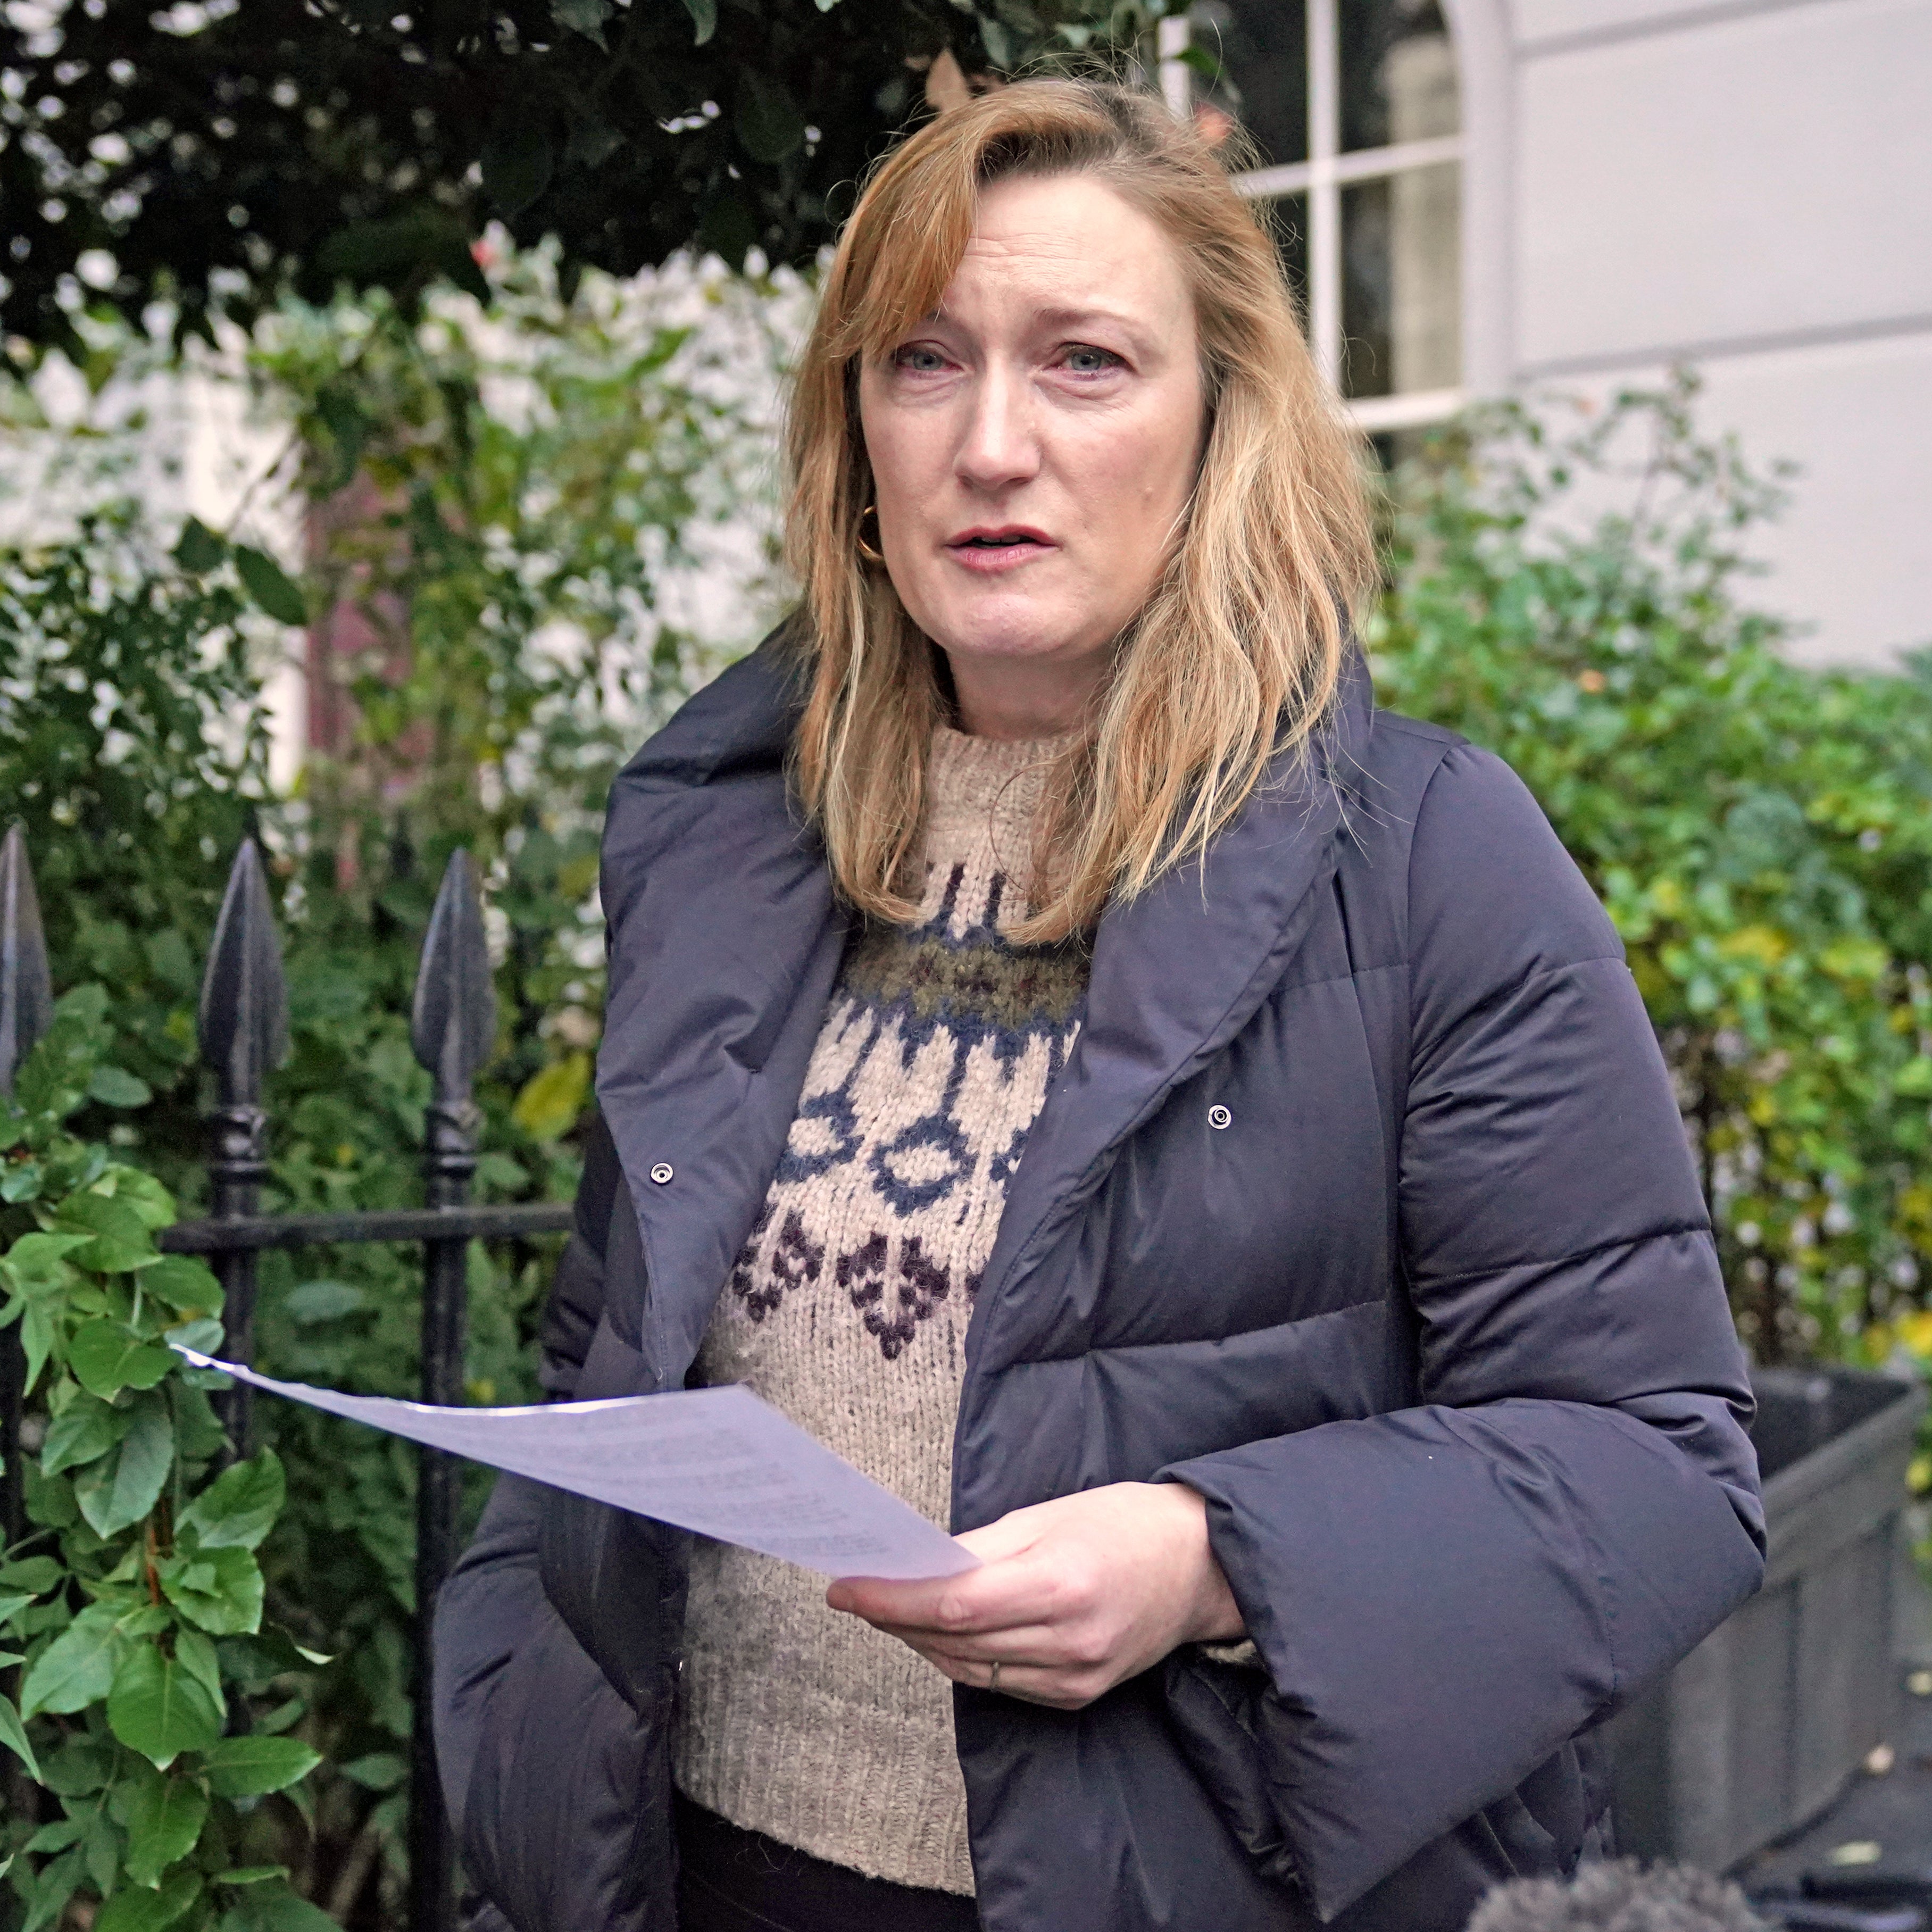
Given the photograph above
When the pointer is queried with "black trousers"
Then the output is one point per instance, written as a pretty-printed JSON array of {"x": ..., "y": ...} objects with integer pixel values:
[{"x": 733, "y": 1880}]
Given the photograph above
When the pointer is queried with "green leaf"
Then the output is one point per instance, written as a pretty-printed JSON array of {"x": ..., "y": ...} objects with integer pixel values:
[
  {"x": 79, "y": 1767},
  {"x": 160, "y": 1707},
  {"x": 200, "y": 549},
  {"x": 121, "y": 1241},
  {"x": 143, "y": 1193},
  {"x": 45, "y": 1082},
  {"x": 136, "y": 1910},
  {"x": 21, "y": 1181},
  {"x": 583, "y": 16},
  {"x": 239, "y": 1507},
  {"x": 517, "y": 162},
  {"x": 284, "y": 1717},
  {"x": 247, "y": 1767},
  {"x": 40, "y": 1330},
  {"x": 184, "y": 1283},
  {"x": 107, "y": 1358},
  {"x": 266, "y": 581},
  {"x": 14, "y": 1736},
  {"x": 346, "y": 428},
  {"x": 205, "y": 1336},
  {"x": 100, "y": 1853},
  {"x": 768, "y": 124},
  {"x": 255, "y": 1662},
  {"x": 77, "y": 1668},
  {"x": 219, "y": 1589},
  {"x": 56, "y": 1836},
  {"x": 36, "y": 1264},
  {"x": 163, "y": 1823},
  {"x": 380, "y": 1771},
  {"x": 198, "y": 1431},
  {"x": 49, "y": 1499},
  {"x": 1914, "y": 1079},
  {"x": 250, "y": 1874},
  {"x": 274, "y": 1907},
  {"x": 704, "y": 16},
  {"x": 115, "y": 1087},
  {"x": 37, "y": 1575},
  {"x": 84, "y": 1430},
  {"x": 403, "y": 250},
  {"x": 553, "y": 1100},
  {"x": 52, "y": 1886},
  {"x": 10, "y": 1604},
  {"x": 121, "y": 1487},
  {"x": 199, "y": 1657},
  {"x": 322, "y": 1301}
]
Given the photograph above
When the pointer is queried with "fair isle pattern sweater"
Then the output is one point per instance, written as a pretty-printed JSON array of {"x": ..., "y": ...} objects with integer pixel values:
[{"x": 847, "y": 1310}]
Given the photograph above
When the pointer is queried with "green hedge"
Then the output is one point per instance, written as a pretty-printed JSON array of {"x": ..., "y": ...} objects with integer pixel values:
[{"x": 1761, "y": 832}]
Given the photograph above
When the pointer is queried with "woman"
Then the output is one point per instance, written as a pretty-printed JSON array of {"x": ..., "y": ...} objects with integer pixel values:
[{"x": 1191, "y": 1134}]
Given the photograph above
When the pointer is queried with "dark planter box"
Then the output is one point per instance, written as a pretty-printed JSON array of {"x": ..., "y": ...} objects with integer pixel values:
[{"x": 1758, "y": 1730}]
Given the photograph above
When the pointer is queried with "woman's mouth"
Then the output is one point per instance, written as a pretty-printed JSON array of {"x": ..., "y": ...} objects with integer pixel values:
[{"x": 998, "y": 549}]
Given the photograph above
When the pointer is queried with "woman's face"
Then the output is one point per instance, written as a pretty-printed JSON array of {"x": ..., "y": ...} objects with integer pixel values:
[{"x": 1033, "y": 445}]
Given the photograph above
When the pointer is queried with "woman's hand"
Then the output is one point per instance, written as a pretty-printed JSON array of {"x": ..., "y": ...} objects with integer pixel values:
[{"x": 1072, "y": 1597}]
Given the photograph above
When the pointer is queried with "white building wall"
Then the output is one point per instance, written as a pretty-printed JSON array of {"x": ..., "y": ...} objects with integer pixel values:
[{"x": 1745, "y": 186}]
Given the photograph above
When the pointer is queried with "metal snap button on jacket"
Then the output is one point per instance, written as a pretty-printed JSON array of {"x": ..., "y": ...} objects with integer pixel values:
[
  {"x": 661, "y": 1172},
  {"x": 1219, "y": 1117}
]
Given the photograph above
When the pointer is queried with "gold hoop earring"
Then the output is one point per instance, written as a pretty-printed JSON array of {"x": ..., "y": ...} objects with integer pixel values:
[{"x": 866, "y": 550}]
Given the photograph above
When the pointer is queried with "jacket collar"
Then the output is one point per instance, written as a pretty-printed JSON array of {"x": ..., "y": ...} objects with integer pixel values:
[
  {"x": 1176, "y": 973},
  {"x": 725, "y": 939},
  {"x": 724, "y": 943}
]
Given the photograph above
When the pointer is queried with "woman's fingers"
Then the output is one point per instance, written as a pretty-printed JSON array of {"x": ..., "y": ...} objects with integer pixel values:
[
  {"x": 1000, "y": 1594},
  {"x": 1033, "y": 1680},
  {"x": 1006, "y": 1589},
  {"x": 1033, "y": 1646},
  {"x": 1065, "y": 1688}
]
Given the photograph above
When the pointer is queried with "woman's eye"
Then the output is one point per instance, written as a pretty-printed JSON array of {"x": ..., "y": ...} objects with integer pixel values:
[
  {"x": 1084, "y": 360},
  {"x": 917, "y": 357}
]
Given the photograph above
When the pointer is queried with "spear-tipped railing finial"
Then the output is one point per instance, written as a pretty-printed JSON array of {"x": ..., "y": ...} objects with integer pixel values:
[
  {"x": 245, "y": 1002},
  {"x": 453, "y": 1022},
  {"x": 244, "y": 1035},
  {"x": 26, "y": 986}
]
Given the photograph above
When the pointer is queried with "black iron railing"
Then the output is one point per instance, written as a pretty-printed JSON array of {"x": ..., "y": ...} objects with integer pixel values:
[{"x": 243, "y": 1035}]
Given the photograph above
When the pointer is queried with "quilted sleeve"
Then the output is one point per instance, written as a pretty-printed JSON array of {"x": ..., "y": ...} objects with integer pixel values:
[{"x": 1443, "y": 1595}]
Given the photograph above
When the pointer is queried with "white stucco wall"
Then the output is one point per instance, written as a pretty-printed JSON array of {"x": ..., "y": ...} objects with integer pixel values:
[{"x": 1745, "y": 185}]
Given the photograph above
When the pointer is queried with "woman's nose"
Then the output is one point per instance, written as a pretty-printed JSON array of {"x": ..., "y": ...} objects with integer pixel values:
[{"x": 998, "y": 446}]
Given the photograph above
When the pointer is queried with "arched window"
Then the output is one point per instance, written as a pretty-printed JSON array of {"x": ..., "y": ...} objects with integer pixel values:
[{"x": 1354, "y": 106}]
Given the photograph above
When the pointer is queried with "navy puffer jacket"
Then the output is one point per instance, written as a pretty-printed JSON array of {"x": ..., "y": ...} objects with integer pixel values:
[{"x": 1435, "y": 1323}]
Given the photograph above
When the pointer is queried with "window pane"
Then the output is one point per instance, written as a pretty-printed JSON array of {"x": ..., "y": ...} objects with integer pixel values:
[
  {"x": 1262, "y": 46},
  {"x": 1401, "y": 284},
  {"x": 1398, "y": 73}
]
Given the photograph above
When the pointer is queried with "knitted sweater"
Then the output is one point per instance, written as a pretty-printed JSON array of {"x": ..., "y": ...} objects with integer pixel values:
[{"x": 848, "y": 1310}]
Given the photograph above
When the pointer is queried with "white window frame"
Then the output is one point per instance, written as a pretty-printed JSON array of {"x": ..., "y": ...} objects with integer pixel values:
[{"x": 1321, "y": 179}]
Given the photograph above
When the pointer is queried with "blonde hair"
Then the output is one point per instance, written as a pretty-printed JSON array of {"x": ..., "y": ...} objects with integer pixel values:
[{"x": 1236, "y": 653}]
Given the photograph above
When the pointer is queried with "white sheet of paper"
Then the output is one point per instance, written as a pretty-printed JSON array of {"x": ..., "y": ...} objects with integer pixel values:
[{"x": 717, "y": 1460}]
